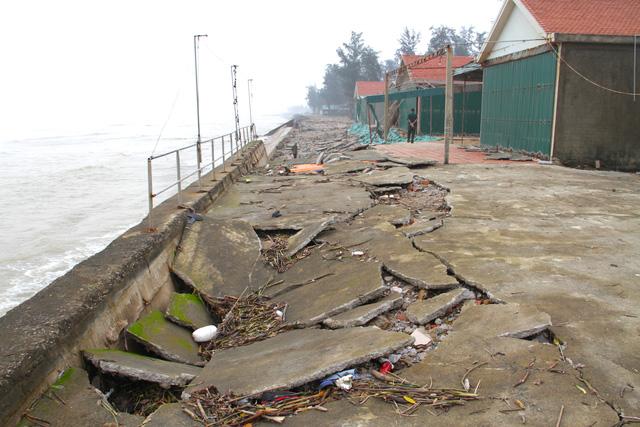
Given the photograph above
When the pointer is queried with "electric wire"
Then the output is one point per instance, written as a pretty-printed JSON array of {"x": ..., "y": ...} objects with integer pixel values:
[
  {"x": 608, "y": 89},
  {"x": 175, "y": 100}
]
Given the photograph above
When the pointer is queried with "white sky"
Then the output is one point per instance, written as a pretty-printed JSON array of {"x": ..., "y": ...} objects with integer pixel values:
[{"x": 85, "y": 64}]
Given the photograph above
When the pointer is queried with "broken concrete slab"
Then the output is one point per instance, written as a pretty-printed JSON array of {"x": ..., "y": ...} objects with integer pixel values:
[
  {"x": 421, "y": 227},
  {"x": 303, "y": 237},
  {"x": 293, "y": 358},
  {"x": 339, "y": 286},
  {"x": 413, "y": 162},
  {"x": 220, "y": 257},
  {"x": 142, "y": 368},
  {"x": 348, "y": 166},
  {"x": 170, "y": 415},
  {"x": 396, "y": 252},
  {"x": 425, "y": 311},
  {"x": 385, "y": 189},
  {"x": 72, "y": 400},
  {"x": 361, "y": 315},
  {"x": 367, "y": 155},
  {"x": 297, "y": 198},
  {"x": 392, "y": 176},
  {"x": 393, "y": 214},
  {"x": 507, "y": 320},
  {"x": 166, "y": 339},
  {"x": 188, "y": 310}
]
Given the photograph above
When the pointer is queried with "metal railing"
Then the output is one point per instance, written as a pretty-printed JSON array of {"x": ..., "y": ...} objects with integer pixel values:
[{"x": 235, "y": 141}]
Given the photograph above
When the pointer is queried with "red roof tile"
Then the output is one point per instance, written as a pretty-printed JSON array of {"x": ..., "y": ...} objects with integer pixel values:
[
  {"x": 434, "y": 69},
  {"x": 589, "y": 17},
  {"x": 369, "y": 88}
]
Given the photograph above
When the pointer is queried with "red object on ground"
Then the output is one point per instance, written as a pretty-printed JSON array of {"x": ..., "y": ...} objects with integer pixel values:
[{"x": 386, "y": 368}]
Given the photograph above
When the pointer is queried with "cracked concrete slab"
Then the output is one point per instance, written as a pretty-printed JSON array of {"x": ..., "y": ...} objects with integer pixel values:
[
  {"x": 393, "y": 176},
  {"x": 293, "y": 358},
  {"x": 396, "y": 252},
  {"x": 425, "y": 311},
  {"x": 347, "y": 166},
  {"x": 393, "y": 214},
  {"x": 170, "y": 415},
  {"x": 568, "y": 244},
  {"x": 220, "y": 257},
  {"x": 141, "y": 368},
  {"x": 421, "y": 227},
  {"x": 72, "y": 400},
  {"x": 298, "y": 199},
  {"x": 164, "y": 338},
  {"x": 303, "y": 237},
  {"x": 340, "y": 285},
  {"x": 361, "y": 315},
  {"x": 188, "y": 310}
]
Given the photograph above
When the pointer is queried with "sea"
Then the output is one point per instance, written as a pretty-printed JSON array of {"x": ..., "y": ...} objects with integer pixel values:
[{"x": 67, "y": 195}]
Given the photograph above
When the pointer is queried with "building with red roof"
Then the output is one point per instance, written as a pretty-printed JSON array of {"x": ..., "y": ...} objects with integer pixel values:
[
  {"x": 430, "y": 73},
  {"x": 561, "y": 77},
  {"x": 366, "y": 88}
]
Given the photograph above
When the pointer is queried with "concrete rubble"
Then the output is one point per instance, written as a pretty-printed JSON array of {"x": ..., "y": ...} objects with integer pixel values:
[
  {"x": 424, "y": 311},
  {"x": 170, "y": 415},
  {"x": 293, "y": 358},
  {"x": 142, "y": 368},
  {"x": 393, "y": 176},
  {"x": 363, "y": 314}
]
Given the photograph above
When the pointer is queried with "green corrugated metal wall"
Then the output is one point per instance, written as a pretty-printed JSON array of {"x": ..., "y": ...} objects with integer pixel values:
[{"x": 517, "y": 104}]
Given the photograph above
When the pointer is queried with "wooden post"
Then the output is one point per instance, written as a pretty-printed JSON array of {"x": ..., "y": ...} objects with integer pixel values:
[
  {"x": 369, "y": 122},
  {"x": 464, "y": 94},
  {"x": 419, "y": 108},
  {"x": 385, "y": 119},
  {"x": 448, "y": 106}
]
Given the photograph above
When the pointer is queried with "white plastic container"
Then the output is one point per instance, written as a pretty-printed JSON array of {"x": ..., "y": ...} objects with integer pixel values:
[{"x": 204, "y": 334}]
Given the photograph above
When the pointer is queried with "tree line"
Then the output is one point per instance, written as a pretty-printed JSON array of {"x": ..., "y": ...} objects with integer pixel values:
[{"x": 359, "y": 61}]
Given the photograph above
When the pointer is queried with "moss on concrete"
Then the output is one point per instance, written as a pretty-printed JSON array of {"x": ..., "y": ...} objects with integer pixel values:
[{"x": 188, "y": 310}]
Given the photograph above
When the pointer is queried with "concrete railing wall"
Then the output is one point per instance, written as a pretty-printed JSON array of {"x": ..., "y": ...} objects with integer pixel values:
[{"x": 92, "y": 304}]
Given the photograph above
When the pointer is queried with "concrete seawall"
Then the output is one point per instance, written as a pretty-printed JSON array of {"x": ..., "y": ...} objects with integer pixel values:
[{"x": 91, "y": 305}]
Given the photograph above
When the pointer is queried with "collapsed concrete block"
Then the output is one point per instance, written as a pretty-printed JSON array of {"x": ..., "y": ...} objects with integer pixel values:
[
  {"x": 363, "y": 314},
  {"x": 425, "y": 311},
  {"x": 166, "y": 339},
  {"x": 293, "y": 358},
  {"x": 188, "y": 310},
  {"x": 141, "y": 368}
]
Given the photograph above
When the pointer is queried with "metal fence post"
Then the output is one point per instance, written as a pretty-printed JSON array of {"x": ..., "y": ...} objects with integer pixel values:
[
  {"x": 150, "y": 191},
  {"x": 213, "y": 159},
  {"x": 224, "y": 164},
  {"x": 199, "y": 162},
  {"x": 179, "y": 177}
]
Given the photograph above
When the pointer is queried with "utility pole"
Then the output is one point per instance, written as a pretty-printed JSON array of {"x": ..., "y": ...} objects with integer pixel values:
[
  {"x": 386, "y": 106},
  {"x": 250, "y": 115},
  {"x": 196, "y": 47},
  {"x": 448, "y": 106},
  {"x": 234, "y": 70}
]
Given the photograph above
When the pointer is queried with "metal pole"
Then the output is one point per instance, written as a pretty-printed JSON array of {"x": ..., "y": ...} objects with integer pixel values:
[
  {"x": 196, "y": 46},
  {"x": 448, "y": 109},
  {"x": 234, "y": 87},
  {"x": 250, "y": 95},
  {"x": 386, "y": 106},
  {"x": 179, "y": 177},
  {"x": 150, "y": 192}
]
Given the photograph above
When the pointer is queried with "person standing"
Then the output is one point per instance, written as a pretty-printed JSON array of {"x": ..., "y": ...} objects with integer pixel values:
[{"x": 413, "y": 125}]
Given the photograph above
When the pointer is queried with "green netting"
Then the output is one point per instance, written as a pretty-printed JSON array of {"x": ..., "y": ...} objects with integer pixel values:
[
  {"x": 431, "y": 110},
  {"x": 362, "y": 132}
]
